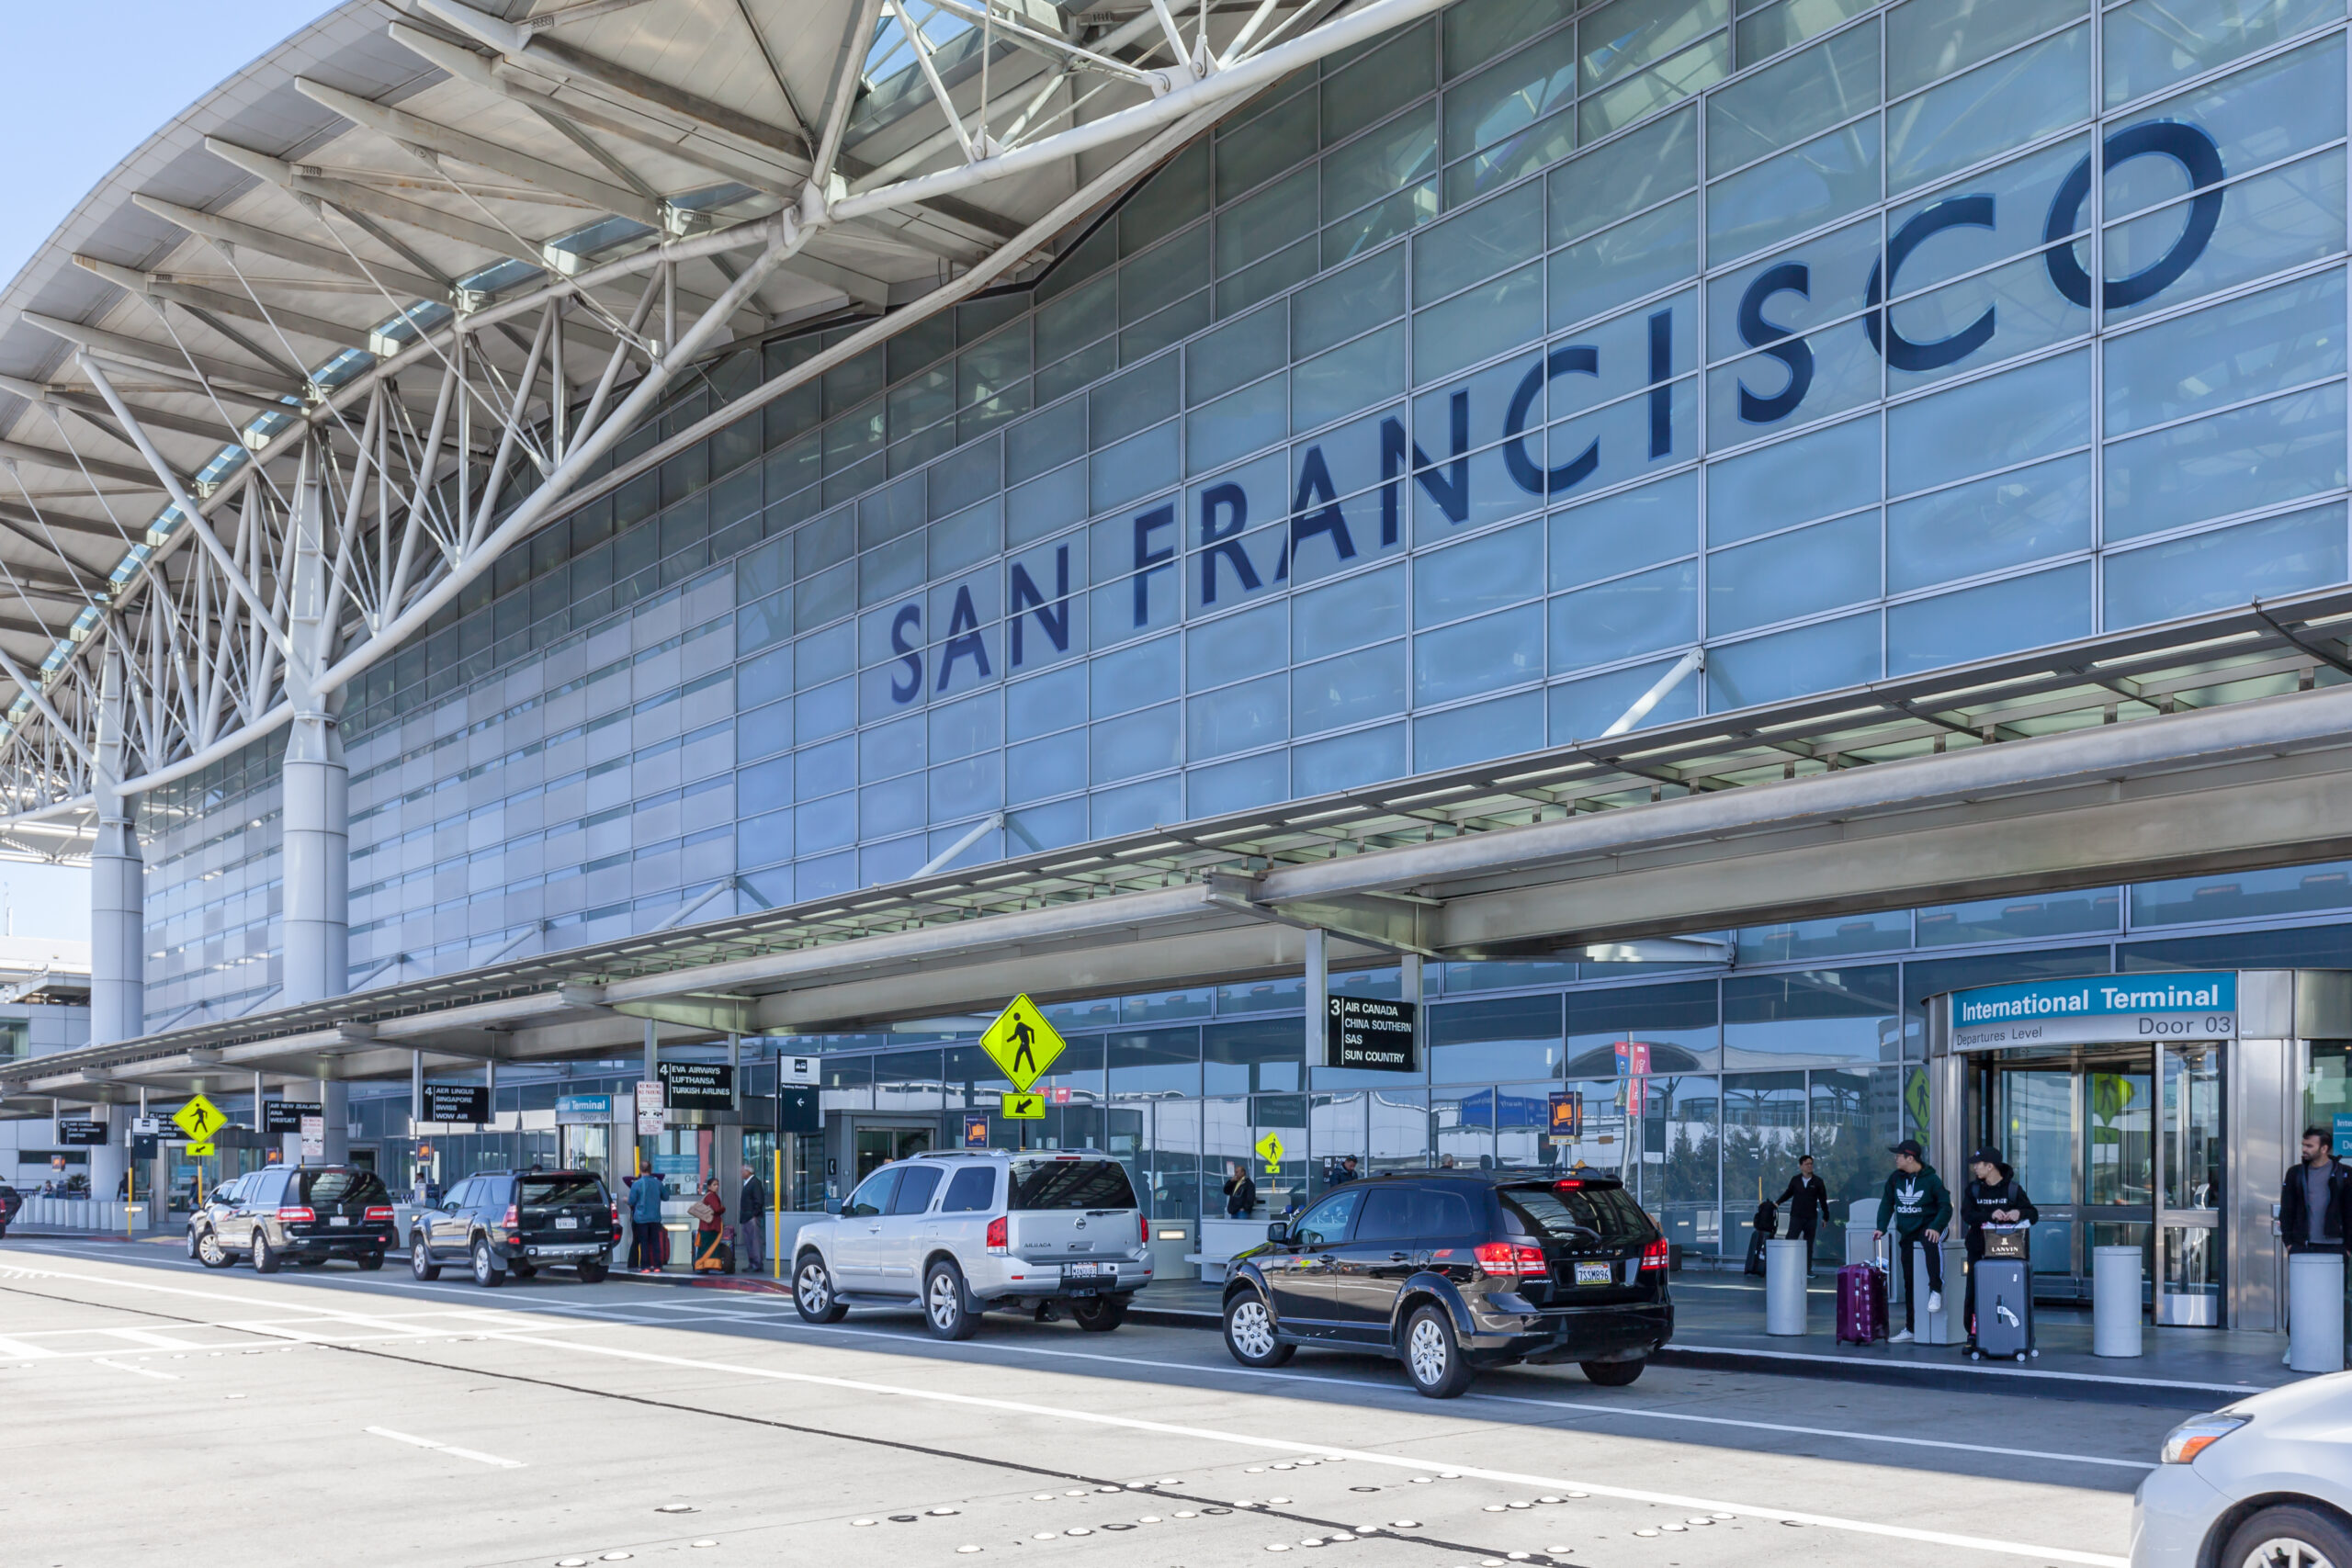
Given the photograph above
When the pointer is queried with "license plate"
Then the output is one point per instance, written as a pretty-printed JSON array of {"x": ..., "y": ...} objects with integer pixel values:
[
  {"x": 1090, "y": 1271},
  {"x": 566, "y": 1223},
  {"x": 338, "y": 1219},
  {"x": 1596, "y": 1273}
]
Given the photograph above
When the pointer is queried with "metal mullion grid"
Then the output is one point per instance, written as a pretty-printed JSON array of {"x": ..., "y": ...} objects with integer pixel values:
[
  {"x": 1885, "y": 368},
  {"x": 2206, "y": 76}
]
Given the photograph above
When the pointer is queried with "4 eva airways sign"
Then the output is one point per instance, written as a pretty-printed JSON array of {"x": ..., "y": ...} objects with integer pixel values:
[
  {"x": 1794, "y": 335},
  {"x": 2105, "y": 1010}
]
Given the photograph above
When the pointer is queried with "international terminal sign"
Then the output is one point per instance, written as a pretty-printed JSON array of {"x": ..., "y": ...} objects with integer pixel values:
[{"x": 2097, "y": 1010}]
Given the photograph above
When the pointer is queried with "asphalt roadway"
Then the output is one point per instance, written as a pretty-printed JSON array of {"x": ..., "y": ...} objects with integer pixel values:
[{"x": 157, "y": 1411}]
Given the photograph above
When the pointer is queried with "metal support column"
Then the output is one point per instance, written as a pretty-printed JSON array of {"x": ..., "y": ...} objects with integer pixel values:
[
  {"x": 117, "y": 934},
  {"x": 317, "y": 846}
]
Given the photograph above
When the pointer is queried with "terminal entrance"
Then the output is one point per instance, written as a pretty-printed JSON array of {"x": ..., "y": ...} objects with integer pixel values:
[
  {"x": 2118, "y": 1146},
  {"x": 874, "y": 1145}
]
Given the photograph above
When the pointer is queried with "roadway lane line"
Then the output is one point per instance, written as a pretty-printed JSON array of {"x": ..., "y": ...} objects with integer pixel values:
[
  {"x": 450, "y": 1449},
  {"x": 1281, "y": 1445},
  {"x": 143, "y": 1372}
]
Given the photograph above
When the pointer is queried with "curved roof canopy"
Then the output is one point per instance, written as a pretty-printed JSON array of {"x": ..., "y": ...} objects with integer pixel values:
[{"x": 235, "y": 384}]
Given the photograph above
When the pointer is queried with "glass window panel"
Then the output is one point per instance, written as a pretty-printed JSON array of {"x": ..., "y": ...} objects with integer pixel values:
[
  {"x": 1347, "y": 689},
  {"x": 1989, "y": 523},
  {"x": 1514, "y": 1037},
  {"x": 1928, "y": 39},
  {"x": 1458, "y": 737},
  {"x": 1546, "y": 141},
  {"x": 2017, "y": 297},
  {"x": 1046, "y": 505},
  {"x": 1133, "y": 677},
  {"x": 1238, "y": 719},
  {"x": 1998, "y": 617},
  {"x": 1268, "y": 143},
  {"x": 2277, "y": 451},
  {"x": 1653, "y": 251},
  {"x": 1636, "y": 171},
  {"x": 1637, "y": 97},
  {"x": 1478, "y": 655},
  {"x": 2241, "y": 113},
  {"x": 1853, "y": 1117},
  {"x": 1887, "y": 932},
  {"x": 2020, "y": 414},
  {"x": 1677, "y": 1022},
  {"x": 2268, "y": 223},
  {"x": 1623, "y": 36},
  {"x": 2262, "y": 342},
  {"x": 2243, "y": 895},
  {"x": 1338, "y": 306},
  {"x": 1379, "y": 224},
  {"x": 1477, "y": 30},
  {"x": 1348, "y": 762},
  {"x": 2229, "y": 566},
  {"x": 1039, "y": 443},
  {"x": 1633, "y": 614},
  {"x": 1479, "y": 574},
  {"x": 1174, "y": 196},
  {"x": 1512, "y": 93},
  {"x": 1282, "y": 214},
  {"x": 1767, "y": 111},
  {"x": 1140, "y": 744},
  {"x": 1792, "y": 482},
  {"x": 1489, "y": 320},
  {"x": 1238, "y": 646},
  {"x": 1345, "y": 379},
  {"x": 1824, "y": 658},
  {"x": 1580, "y": 710},
  {"x": 1266, "y": 279},
  {"x": 2153, "y": 43},
  {"x": 1762, "y": 34},
  {"x": 1763, "y": 1135},
  {"x": 2013, "y": 100},
  {"x": 1128, "y": 402},
  {"x": 1077, "y": 319},
  {"x": 1631, "y": 529},
  {"x": 1168, "y": 271},
  {"x": 1359, "y": 609},
  {"x": 1237, "y": 786},
  {"x": 2013, "y": 920},
  {"x": 1397, "y": 155},
  {"x": 1243, "y": 1058},
  {"x": 1237, "y": 352},
  {"x": 1367, "y": 88},
  {"x": 1800, "y": 189},
  {"x": 1133, "y": 467},
  {"x": 1797, "y": 573},
  {"x": 1475, "y": 245}
]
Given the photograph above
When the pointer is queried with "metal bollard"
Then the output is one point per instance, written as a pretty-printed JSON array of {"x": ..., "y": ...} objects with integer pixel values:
[
  {"x": 2316, "y": 1312},
  {"x": 2115, "y": 1301},
  {"x": 1784, "y": 1301}
]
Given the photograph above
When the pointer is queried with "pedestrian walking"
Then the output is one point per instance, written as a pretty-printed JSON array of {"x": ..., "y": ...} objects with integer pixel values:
[
  {"x": 752, "y": 1221},
  {"x": 1240, "y": 1192},
  {"x": 2315, "y": 1204},
  {"x": 645, "y": 1223},
  {"x": 1921, "y": 1205},
  {"x": 1808, "y": 1203}
]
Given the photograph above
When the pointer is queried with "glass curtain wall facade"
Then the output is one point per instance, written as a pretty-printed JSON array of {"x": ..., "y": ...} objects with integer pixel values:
[{"x": 1421, "y": 415}]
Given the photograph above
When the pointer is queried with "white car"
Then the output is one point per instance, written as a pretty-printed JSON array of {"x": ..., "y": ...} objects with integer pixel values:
[
  {"x": 957, "y": 1235},
  {"x": 2266, "y": 1483}
]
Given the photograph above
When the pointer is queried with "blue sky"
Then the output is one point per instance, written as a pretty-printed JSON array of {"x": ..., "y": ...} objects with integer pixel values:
[
  {"x": 86, "y": 85},
  {"x": 88, "y": 82}
]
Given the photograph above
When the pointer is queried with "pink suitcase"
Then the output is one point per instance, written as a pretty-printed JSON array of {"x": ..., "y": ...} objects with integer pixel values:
[{"x": 1861, "y": 1304}]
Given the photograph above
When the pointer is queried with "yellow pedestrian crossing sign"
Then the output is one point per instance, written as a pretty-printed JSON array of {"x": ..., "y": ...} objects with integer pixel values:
[
  {"x": 1023, "y": 1108},
  {"x": 1021, "y": 1043},
  {"x": 1270, "y": 1149},
  {"x": 199, "y": 1119}
]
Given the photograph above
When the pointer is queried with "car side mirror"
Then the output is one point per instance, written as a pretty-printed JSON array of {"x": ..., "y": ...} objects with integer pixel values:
[
  {"x": 832, "y": 1205},
  {"x": 1279, "y": 1233}
]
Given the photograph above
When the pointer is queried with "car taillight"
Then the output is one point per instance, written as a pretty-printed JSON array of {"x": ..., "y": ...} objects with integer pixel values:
[
  {"x": 1656, "y": 1256},
  {"x": 1512, "y": 1259},
  {"x": 513, "y": 1220},
  {"x": 294, "y": 1212},
  {"x": 999, "y": 1236},
  {"x": 380, "y": 1215},
  {"x": 1143, "y": 1230}
]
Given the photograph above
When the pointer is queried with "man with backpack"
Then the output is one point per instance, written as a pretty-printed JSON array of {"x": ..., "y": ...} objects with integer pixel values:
[{"x": 1920, "y": 1207}]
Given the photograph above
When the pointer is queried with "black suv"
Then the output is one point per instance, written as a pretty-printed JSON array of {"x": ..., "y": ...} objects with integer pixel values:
[
  {"x": 1452, "y": 1273},
  {"x": 501, "y": 1222},
  {"x": 299, "y": 1214}
]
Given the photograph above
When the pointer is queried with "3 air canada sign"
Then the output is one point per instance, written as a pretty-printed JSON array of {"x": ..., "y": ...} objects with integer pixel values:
[{"x": 1349, "y": 493}]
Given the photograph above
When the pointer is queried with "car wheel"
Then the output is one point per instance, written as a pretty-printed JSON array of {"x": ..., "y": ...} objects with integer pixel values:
[
  {"x": 2288, "y": 1537},
  {"x": 264, "y": 1257},
  {"x": 371, "y": 1261},
  {"x": 487, "y": 1273},
  {"x": 191, "y": 1243},
  {"x": 420, "y": 1261},
  {"x": 1614, "y": 1374},
  {"x": 1432, "y": 1357},
  {"x": 1249, "y": 1333},
  {"x": 593, "y": 1272},
  {"x": 210, "y": 1252},
  {"x": 812, "y": 1291},
  {"x": 944, "y": 1308},
  {"x": 1099, "y": 1314}
]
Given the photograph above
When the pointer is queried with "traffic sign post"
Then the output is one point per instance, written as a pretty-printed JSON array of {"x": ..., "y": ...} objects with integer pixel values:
[
  {"x": 199, "y": 1119},
  {"x": 1270, "y": 1149},
  {"x": 652, "y": 1111},
  {"x": 1021, "y": 1043}
]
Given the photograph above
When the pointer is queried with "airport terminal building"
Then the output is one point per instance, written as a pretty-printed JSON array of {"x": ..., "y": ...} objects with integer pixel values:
[{"x": 1671, "y": 533}]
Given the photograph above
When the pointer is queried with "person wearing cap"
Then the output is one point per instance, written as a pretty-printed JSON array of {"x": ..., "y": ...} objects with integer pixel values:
[
  {"x": 1994, "y": 1196},
  {"x": 1921, "y": 1206}
]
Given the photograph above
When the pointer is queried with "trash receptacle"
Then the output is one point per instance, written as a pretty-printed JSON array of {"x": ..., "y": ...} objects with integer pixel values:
[
  {"x": 1784, "y": 1282},
  {"x": 2316, "y": 1312},
  {"x": 2115, "y": 1301}
]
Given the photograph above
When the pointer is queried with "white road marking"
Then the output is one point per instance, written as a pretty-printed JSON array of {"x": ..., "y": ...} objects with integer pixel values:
[
  {"x": 1282, "y": 1445},
  {"x": 149, "y": 1338},
  {"x": 450, "y": 1449},
  {"x": 143, "y": 1372},
  {"x": 2029, "y": 1374},
  {"x": 17, "y": 1350}
]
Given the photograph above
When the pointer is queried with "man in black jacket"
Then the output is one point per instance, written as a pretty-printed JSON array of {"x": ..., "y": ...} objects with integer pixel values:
[
  {"x": 2316, "y": 1203},
  {"x": 1808, "y": 1201},
  {"x": 1993, "y": 1196}
]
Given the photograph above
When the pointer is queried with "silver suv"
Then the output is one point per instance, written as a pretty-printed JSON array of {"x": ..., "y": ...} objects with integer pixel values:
[{"x": 957, "y": 1235}]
